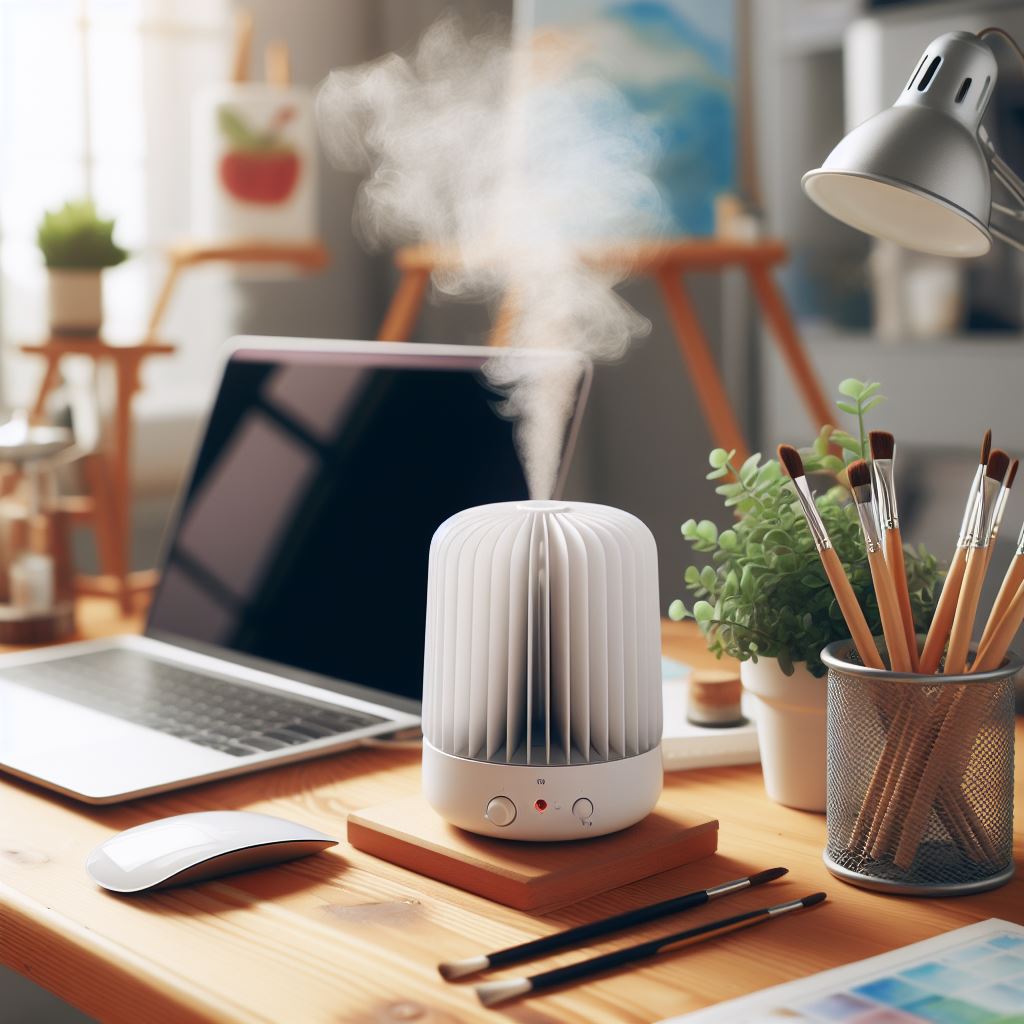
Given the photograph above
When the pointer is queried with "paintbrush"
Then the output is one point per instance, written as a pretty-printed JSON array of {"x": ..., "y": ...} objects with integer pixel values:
[
  {"x": 885, "y": 592},
  {"x": 883, "y": 455},
  {"x": 845, "y": 597},
  {"x": 1011, "y": 583},
  {"x": 1004, "y": 497},
  {"x": 573, "y": 937},
  {"x": 991, "y": 652},
  {"x": 493, "y": 992},
  {"x": 977, "y": 563},
  {"x": 942, "y": 620}
]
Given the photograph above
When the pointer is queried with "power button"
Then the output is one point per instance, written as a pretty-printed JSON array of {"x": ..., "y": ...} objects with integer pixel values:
[
  {"x": 500, "y": 811},
  {"x": 583, "y": 809}
]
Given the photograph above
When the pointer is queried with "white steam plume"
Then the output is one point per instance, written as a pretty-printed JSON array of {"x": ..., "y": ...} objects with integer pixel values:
[{"x": 513, "y": 162}]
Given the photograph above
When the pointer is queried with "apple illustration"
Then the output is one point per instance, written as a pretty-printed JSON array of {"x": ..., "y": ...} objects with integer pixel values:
[{"x": 257, "y": 167}]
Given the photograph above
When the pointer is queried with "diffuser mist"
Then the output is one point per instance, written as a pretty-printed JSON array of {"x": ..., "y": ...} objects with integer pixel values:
[{"x": 542, "y": 672}]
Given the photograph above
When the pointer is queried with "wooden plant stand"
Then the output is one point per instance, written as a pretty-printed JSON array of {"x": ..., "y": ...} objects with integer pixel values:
[
  {"x": 666, "y": 262},
  {"x": 108, "y": 506}
]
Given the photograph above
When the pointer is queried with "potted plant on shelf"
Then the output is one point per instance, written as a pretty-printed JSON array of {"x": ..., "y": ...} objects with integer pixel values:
[
  {"x": 764, "y": 599},
  {"x": 77, "y": 245}
]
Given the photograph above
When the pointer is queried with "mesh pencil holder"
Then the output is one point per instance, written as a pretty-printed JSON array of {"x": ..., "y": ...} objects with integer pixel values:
[{"x": 920, "y": 777}]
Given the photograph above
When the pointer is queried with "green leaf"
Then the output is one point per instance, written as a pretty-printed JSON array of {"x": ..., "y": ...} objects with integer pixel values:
[
  {"x": 703, "y": 611},
  {"x": 847, "y": 407},
  {"x": 750, "y": 464},
  {"x": 870, "y": 405},
  {"x": 677, "y": 610},
  {"x": 851, "y": 387},
  {"x": 707, "y": 530},
  {"x": 708, "y": 578}
]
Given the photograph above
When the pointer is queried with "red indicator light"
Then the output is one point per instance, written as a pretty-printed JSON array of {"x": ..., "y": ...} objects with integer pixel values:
[{"x": 540, "y": 805}]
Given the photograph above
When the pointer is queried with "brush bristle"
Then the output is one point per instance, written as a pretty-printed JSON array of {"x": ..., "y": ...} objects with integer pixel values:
[
  {"x": 859, "y": 473},
  {"x": 460, "y": 968},
  {"x": 816, "y": 897},
  {"x": 790, "y": 458},
  {"x": 1012, "y": 475},
  {"x": 883, "y": 444},
  {"x": 998, "y": 464},
  {"x": 986, "y": 447},
  {"x": 768, "y": 876},
  {"x": 493, "y": 992}
]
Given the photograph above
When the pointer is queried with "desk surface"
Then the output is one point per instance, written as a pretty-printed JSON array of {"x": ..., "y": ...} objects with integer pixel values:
[{"x": 344, "y": 937}]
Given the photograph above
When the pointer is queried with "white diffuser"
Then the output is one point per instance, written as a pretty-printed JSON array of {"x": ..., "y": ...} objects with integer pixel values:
[{"x": 542, "y": 671}]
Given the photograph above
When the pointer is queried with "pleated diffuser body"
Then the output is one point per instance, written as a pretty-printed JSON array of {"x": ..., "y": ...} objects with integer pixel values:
[{"x": 542, "y": 707}]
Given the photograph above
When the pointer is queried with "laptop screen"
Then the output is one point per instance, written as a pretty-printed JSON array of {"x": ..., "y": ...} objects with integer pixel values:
[{"x": 303, "y": 534}]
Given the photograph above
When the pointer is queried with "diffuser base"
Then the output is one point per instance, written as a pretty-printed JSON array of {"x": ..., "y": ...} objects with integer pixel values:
[
  {"x": 541, "y": 803},
  {"x": 536, "y": 877}
]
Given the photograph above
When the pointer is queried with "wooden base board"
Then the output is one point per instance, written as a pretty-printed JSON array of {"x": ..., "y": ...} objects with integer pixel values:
[{"x": 529, "y": 876}]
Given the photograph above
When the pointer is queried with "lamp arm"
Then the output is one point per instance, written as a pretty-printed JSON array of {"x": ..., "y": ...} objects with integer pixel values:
[
  {"x": 1011, "y": 181},
  {"x": 1001, "y": 170},
  {"x": 1005, "y": 236}
]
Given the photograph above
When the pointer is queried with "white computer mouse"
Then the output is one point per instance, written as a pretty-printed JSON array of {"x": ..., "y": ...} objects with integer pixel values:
[{"x": 192, "y": 847}]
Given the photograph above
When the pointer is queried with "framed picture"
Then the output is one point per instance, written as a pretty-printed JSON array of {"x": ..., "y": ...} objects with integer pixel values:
[{"x": 675, "y": 62}]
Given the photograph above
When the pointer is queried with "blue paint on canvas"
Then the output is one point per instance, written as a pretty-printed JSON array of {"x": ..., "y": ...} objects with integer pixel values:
[{"x": 674, "y": 61}]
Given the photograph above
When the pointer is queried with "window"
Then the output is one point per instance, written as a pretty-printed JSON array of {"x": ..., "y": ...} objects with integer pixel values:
[{"x": 95, "y": 99}]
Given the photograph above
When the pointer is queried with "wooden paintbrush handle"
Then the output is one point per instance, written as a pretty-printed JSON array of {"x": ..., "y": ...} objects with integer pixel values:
[
  {"x": 942, "y": 620},
  {"x": 849, "y": 606},
  {"x": 898, "y": 570},
  {"x": 965, "y": 712},
  {"x": 1011, "y": 581},
  {"x": 991, "y": 654},
  {"x": 966, "y": 610},
  {"x": 888, "y": 610},
  {"x": 883, "y": 779}
]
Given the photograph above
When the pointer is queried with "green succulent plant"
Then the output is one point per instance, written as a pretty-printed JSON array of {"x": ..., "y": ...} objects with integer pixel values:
[
  {"x": 764, "y": 592},
  {"x": 76, "y": 238}
]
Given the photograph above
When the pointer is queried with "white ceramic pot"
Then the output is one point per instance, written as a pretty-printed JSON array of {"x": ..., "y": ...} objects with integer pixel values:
[
  {"x": 791, "y": 731},
  {"x": 76, "y": 301}
]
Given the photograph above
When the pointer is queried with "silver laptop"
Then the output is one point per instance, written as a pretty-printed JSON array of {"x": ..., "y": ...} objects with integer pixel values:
[{"x": 289, "y": 619}]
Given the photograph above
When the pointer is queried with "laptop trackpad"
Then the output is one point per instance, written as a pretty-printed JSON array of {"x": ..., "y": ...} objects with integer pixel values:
[{"x": 88, "y": 752}]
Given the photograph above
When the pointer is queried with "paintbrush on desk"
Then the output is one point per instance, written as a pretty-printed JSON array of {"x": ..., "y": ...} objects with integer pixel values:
[
  {"x": 977, "y": 563},
  {"x": 883, "y": 455},
  {"x": 493, "y": 992},
  {"x": 573, "y": 937},
  {"x": 942, "y": 619},
  {"x": 860, "y": 633},
  {"x": 885, "y": 592}
]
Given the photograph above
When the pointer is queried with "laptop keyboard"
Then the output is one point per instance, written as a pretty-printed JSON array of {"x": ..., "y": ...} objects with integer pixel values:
[{"x": 203, "y": 709}]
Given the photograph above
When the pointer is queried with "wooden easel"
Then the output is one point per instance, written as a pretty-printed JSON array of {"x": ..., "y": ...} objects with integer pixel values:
[
  {"x": 666, "y": 262},
  {"x": 304, "y": 256}
]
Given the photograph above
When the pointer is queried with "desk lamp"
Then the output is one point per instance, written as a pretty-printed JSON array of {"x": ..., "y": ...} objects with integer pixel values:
[{"x": 920, "y": 173}]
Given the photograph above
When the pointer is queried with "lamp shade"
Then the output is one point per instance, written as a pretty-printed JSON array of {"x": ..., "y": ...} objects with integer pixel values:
[{"x": 915, "y": 173}]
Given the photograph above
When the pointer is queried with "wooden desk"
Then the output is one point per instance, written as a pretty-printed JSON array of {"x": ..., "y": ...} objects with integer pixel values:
[{"x": 344, "y": 937}]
